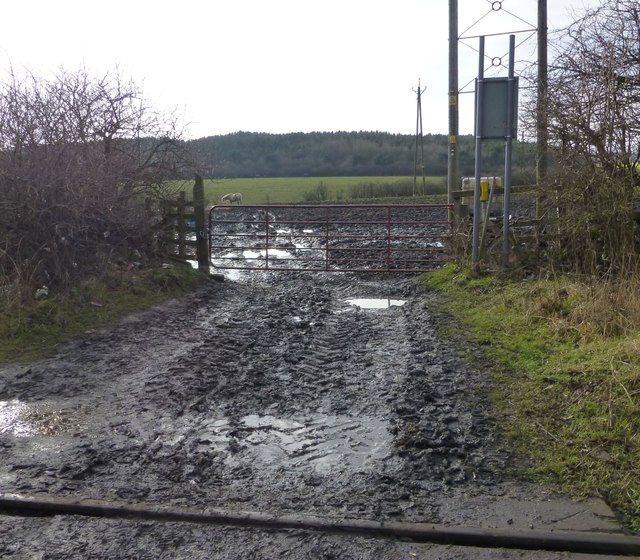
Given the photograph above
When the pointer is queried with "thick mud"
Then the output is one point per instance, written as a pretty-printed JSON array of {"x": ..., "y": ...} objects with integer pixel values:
[{"x": 272, "y": 394}]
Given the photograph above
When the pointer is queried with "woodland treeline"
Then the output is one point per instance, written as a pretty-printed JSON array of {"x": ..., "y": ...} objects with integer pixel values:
[
  {"x": 84, "y": 162},
  {"x": 334, "y": 154}
]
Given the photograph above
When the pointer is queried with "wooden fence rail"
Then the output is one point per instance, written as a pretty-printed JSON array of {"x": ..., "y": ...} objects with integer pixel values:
[
  {"x": 526, "y": 229},
  {"x": 184, "y": 230}
]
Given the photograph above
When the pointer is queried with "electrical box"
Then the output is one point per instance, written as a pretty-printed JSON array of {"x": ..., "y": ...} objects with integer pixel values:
[{"x": 494, "y": 202}]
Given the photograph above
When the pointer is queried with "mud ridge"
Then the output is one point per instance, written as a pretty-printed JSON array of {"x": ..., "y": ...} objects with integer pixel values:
[{"x": 269, "y": 394}]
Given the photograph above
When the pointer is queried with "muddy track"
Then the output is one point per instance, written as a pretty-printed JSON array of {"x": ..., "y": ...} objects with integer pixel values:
[{"x": 271, "y": 394}]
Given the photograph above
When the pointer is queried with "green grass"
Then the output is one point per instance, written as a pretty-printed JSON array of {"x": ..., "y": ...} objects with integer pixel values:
[
  {"x": 569, "y": 402},
  {"x": 285, "y": 190},
  {"x": 31, "y": 330}
]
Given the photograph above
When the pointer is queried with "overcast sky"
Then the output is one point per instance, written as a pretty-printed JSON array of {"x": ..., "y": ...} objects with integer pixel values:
[{"x": 276, "y": 65}]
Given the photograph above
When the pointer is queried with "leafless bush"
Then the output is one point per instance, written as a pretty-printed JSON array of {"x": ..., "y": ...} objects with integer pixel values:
[
  {"x": 594, "y": 88},
  {"x": 590, "y": 223},
  {"x": 78, "y": 158},
  {"x": 593, "y": 104}
]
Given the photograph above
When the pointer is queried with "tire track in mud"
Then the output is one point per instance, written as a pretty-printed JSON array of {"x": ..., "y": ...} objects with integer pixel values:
[
  {"x": 289, "y": 372},
  {"x": 260, "y": 379},
  {"x": 311, "y": 388},
  {"x": 273, "y": 394}
]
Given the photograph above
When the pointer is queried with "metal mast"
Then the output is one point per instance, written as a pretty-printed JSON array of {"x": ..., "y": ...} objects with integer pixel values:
[
  {"x": 419, "y": 141},
  {"x": 453, "y": 171},
  {"x": 541, "y": 107}
]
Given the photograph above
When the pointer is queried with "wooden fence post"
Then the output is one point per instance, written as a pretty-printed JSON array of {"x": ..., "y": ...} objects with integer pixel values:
[
  {"x": 181, "y": 225},
  {"x": 202, "y": 244}
]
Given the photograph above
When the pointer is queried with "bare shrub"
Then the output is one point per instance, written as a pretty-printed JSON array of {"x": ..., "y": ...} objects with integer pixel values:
[
  {"x": 594, "y": 88},
  {"x": 590, "y": 223},
  {"x": 78, "y": 158},
  {"x": 593, "y": 104}
]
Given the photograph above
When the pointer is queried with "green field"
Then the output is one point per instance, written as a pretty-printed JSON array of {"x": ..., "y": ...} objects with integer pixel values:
[{"x": 282, "y": 190}]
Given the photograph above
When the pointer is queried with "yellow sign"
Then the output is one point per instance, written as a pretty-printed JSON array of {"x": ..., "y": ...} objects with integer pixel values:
[
  {"x": 484, "y": 191},
  {"x": 452, "y": 139},
  {"x": 453, "y": 100}
]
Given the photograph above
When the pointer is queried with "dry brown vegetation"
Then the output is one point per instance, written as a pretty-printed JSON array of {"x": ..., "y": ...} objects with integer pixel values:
[{"x": 78, "y": 157}]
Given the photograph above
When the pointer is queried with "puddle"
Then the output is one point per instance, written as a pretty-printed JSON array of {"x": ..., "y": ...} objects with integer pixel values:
[
  {"x": 244, "y": 259},
  {"x": 10, "y": 412},
  {"x": 376, "y": 303},
  {"x": 317, "y": 442},
  {"x": 22, "y": 419},
  {"x": 273, "y": 254}
]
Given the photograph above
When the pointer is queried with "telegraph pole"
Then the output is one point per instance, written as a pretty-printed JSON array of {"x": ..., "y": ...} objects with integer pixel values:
[
  {"x": 541, "y": 103},
  {"x": 453, "y": 171},
  {"x": 419, "y": 139}
]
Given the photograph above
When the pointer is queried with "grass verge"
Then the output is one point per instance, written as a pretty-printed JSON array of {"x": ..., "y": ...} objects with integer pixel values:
[
  {"x": 566, "y": 388},
  {"x": 31, "y": 330}
]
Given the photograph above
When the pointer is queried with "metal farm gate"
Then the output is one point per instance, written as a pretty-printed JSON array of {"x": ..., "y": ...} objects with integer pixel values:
[{"x": 329, "y": 237}]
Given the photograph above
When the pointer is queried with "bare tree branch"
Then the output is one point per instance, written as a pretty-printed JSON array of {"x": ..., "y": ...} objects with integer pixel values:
[{"x": 78, "y": 156}]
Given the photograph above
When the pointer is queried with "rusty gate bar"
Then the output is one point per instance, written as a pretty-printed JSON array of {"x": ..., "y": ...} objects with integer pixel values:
[
  {"x": 329, "y": 237},
  {"x": 388, "y": 237},
  {"x": 326, "y": 243}
]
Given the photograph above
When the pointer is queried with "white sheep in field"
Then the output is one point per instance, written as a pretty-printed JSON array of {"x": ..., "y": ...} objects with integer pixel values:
[{"x": 232, "y": 197}]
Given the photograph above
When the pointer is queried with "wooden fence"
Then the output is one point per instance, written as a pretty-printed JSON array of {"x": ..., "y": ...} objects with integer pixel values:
[
  {"x": 184, "y": 227},
  {"x": 525, "y": 228}
]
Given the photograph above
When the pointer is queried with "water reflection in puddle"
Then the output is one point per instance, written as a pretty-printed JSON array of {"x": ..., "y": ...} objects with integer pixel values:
[
  {"x": 273, "y": 253},
  {"x": 23, "y": 420},
  {"x": 10, "y": 422},
  {"x": 375, "y": 303},
  {"x": 319, "y": 442}
]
